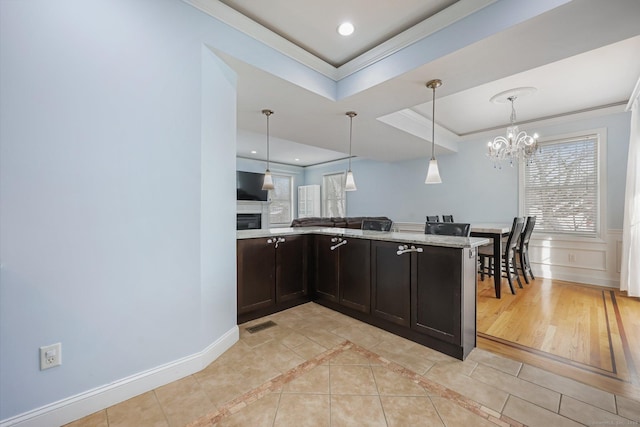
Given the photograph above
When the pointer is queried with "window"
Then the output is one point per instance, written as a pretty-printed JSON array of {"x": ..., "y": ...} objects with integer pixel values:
[
  {"x": 333, "y": 195},
  {"x": 562, "y": 185},
  {"x": 280, "y": 201}
]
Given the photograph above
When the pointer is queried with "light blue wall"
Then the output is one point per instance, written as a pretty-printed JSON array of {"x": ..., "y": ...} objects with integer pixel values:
[
  {"x": 108, "y": 180},
  {"x": 472, "y": 190}
]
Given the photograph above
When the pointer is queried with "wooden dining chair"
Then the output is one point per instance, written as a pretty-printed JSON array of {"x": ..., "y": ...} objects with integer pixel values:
[
  {"x": 435, "y": 218},
  {"x": 506, "y": 264},
  {"x": 447, "y": 218},
  {"x": 523, "y": 248}
]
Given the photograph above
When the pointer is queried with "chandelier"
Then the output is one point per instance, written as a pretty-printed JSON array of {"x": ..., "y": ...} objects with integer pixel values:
[{"x": 517, "y": 145}]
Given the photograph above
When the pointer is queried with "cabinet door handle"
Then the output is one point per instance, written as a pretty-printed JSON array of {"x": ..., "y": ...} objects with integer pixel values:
[
  {"x": 280, "y": 240},
  {"x": 403, "y": 249},
  {"x": 342, "y": 242}
]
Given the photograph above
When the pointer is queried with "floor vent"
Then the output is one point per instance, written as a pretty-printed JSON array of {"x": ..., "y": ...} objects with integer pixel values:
[{"x": 260, "y": 326}]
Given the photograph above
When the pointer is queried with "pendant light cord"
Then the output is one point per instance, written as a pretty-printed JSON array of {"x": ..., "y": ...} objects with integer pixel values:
[
  {"x": 433, "y": 125},
  {"x": 351, "y": 115},
  {"x": 350, "y": 136},
  {"x": 267, "y": 113}
]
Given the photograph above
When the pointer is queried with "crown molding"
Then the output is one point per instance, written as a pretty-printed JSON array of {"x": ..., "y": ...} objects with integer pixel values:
[
  {"x": 587, "y": 113},
  {"x": 437, "y": 22},
  {"x": 240, "y": 22}
]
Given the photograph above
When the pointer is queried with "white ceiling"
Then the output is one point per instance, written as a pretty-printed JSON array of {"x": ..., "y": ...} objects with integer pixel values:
[
  {"x": 312, "y": 24},
  {"x": 583, "y": 56}
]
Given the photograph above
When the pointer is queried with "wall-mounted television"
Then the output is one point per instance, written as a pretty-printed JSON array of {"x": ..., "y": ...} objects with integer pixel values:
[{"x": 249, "y": 186}]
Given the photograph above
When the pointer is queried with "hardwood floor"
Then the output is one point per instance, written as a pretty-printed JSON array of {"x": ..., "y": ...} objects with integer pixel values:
[{"x": 588, "y": 333}]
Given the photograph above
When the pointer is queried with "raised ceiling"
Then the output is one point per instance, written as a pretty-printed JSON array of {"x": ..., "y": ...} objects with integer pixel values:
[
  {"x": 581, "y": 55},
  {"x": 312, "y": 25}
]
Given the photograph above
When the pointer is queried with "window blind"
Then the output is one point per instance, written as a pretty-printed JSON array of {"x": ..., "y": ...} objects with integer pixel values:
[
  {"x": 561, "y": 186},
  {"x": 334, "y": 198},
  {"x": 280, "y": 197}
]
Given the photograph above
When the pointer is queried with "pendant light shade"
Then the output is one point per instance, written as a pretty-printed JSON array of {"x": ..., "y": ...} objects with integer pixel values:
[
  {"x": 433, "y": 173},
  {"x": 268, "y": 179},
  {"x": 350, "y": 184},
  {"x": 267, "y": 184}
]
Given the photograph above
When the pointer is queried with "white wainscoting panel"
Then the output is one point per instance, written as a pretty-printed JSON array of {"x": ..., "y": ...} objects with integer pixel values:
[
  {"x": 589, "y": 261},
  {"x": 582, "y": 260}
]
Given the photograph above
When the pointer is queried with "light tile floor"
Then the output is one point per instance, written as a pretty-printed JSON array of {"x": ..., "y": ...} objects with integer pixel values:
[{"x": 317, "y": 367}]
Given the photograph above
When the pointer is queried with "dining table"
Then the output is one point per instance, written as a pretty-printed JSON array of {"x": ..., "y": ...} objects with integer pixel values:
[{"x": 496, "y": 232}]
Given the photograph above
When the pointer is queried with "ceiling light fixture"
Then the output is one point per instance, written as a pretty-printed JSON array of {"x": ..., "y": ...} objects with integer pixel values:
[
  {"x": 517, "y": 145},
  {"x": 346, "y": 29},
  {"x": 350, "y": 184},
  {"x": 268, "y": 179},
  {"x": 433, "y": 174}
]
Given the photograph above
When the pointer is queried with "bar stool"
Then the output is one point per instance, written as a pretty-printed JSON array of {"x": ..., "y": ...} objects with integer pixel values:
[
  {"x": 507, "y": 262},
  {"x": 523, "y": 248}
]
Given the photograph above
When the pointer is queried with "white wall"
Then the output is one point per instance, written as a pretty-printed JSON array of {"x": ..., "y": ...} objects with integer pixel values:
[{"x": 117, "y": 154}]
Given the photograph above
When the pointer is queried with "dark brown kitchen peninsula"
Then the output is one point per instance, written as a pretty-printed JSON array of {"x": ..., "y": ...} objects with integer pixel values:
[{"x": 421, "y": 287}]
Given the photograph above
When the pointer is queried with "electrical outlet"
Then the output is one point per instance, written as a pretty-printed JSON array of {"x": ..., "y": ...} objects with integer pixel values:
[
  {"x": 572, "y": 257},
  {"x": 50, "y": 356}
]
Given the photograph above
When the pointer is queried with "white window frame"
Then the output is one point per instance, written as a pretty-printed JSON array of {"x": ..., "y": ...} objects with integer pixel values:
[
  {"x": 601, "y": 138},
  {"x": 325, "y": 203},
  {"x": 271, "y": 199}
]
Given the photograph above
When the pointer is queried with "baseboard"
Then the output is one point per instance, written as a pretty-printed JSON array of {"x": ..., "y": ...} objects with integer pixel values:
[{"x": 83, "y": 404}]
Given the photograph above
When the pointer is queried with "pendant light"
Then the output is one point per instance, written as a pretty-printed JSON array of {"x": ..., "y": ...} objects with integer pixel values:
[
  {"x": 268, "y": 179},
  {"x": 433, "y": 174},
  {"x": 350, "y": 184}
]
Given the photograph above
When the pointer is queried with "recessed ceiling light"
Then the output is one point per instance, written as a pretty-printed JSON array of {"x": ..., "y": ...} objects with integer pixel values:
[
  {"x": 254, "y": 152},
  {"x": 297, "y": 160},
  {"x": 346, "y": 29}
]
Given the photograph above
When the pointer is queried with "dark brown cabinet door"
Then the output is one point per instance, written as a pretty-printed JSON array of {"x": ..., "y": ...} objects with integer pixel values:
[
  {"x": 291, "y": 268},
  {"x": 391, "y": 283},
  {"x": 326, "y": 266},
  {"x": 355, "y": 274},
  {"x": 256, "y": 274},
  {"x": 436, "y": 293}
]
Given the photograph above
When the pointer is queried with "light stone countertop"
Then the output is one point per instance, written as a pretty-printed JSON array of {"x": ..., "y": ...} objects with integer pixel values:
[{"x": 401, "y": 237}]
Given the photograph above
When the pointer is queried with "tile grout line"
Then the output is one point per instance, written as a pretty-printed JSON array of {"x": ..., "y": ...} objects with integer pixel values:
[
  {"x": 164, "y": 413},
  {"x": 440, "y": 390},
  {"x": 251, "y": 396}
]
